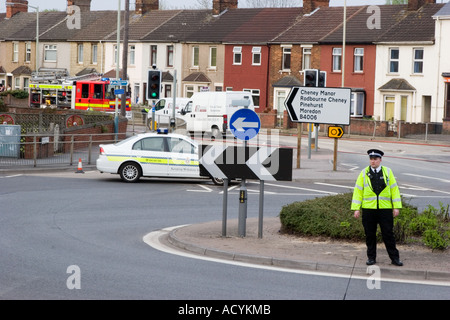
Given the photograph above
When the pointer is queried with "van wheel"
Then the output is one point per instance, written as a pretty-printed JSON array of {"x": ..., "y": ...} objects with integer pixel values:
[
  {"x": 130, "y": 172},
  {"x": 215, "y": 133}
]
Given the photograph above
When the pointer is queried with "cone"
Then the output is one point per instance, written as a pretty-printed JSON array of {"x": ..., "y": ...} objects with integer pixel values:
[{"x": 80, "y": 167}]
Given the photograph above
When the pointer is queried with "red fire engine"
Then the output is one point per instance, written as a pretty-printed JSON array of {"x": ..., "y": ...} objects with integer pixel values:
[{"x": 95, "y": 95}]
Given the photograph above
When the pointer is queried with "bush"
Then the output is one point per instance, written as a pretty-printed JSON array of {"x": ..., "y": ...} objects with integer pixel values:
[
  {"x": 331, "y": 217},
  {"x": 19, "y": 94}
]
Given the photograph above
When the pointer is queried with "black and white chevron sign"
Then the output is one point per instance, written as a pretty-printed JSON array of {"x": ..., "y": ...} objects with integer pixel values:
[{"x": 258, "y": 163}]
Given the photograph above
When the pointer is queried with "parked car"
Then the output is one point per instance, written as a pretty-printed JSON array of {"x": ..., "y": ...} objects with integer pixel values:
[{"x": 159, "y": 154}]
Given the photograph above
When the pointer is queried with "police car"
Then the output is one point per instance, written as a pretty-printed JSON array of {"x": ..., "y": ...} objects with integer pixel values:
[{"x": 152, "y": 155}]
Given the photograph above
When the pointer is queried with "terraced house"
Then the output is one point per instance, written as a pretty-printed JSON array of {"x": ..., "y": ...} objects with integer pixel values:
[{"x": 395, "y": 57}]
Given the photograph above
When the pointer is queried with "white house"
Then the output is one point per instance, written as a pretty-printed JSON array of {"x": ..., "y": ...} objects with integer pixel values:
[
  {"x": 406, "y": 81},
  {"x": 442, "y": 19}
]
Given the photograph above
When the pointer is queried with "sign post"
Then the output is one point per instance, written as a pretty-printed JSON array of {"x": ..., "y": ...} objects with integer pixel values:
[{"x": 320, "y": 105}]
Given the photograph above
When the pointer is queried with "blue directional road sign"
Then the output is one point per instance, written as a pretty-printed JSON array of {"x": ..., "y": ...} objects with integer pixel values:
[
  {"x": 245, "y": 124},
  {"x": 115, "y": 82}
]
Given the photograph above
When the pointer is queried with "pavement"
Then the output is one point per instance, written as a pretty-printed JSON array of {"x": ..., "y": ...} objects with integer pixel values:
[{"x": 302, "y": 253}]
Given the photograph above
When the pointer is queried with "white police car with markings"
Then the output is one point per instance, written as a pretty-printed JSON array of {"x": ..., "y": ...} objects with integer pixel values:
[{"x": 152, "y": 155}]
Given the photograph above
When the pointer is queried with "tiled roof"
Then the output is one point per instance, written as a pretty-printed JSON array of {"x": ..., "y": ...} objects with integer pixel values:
[
  {"x": 398, "y": 84},
  {"x": 219, "y": 27},
  {"x": 415, "y": 26},
  {"x": 140, "y": 26},
  {"x": 263, "y": 25},
  {"x": 2, "y": 70},
  {"x": 180, "y": 26},
  {"x": 312, "y": 28},
  {"x": 288, "y": 81},
  {"x": 95, "y": 26},
  {"x": 22, "y": 70},
  {"x": 358, "y": 30},
  {"x": 444, "y": 11},
  {"x": 197, "y": 77}
]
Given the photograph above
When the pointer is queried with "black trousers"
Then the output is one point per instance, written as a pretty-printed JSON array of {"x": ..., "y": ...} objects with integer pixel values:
[{"x": 384, "y": 217}]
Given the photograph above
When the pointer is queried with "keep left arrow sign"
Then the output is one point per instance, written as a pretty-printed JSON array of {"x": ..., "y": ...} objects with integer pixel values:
[{"x": 240, "y": 124}]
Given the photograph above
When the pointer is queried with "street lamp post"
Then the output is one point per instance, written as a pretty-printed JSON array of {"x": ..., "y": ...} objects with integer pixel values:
[
  {"x": 37, "y": 29},
  {"x": 116, "y": 116}
]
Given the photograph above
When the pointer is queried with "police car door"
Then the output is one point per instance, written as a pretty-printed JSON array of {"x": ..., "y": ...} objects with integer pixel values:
[
  {"x": 152, "y": 154},
  {"x": 183, "y": 158}
]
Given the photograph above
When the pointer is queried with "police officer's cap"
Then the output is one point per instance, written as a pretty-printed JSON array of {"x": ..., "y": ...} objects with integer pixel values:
[{"x": 375, "y": 153}]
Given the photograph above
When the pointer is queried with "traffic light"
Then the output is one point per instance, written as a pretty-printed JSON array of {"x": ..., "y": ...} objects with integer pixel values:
[
  {"x": 322, "y": 79},
  {"x": 311, "y": 77},
  {"x": 154, "y": 84}
]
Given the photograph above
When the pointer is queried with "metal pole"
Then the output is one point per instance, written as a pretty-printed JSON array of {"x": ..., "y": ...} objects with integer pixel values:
[
  {"x": 174, "y": 99},
  {"x": 242, "y": 209},
  {"x": 224, "y": 207},
  {"x": 261, "y": 209},
  {"x": 37, "y": 40},
  {"x": 344, "y": 36},
  {"x": 116, "y": 114}
]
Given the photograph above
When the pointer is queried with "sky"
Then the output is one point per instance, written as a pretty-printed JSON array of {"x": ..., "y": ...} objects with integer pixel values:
[{"x": 113, "y": 4}]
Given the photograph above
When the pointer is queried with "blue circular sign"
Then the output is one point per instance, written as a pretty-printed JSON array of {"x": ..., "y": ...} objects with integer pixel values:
[{"x": 245, "y": 124}]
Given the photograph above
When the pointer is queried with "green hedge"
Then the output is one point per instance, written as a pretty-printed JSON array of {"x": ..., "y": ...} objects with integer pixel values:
[{"x": 331, "y": 217}]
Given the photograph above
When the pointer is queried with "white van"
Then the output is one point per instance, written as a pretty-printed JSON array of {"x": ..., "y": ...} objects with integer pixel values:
[
  {"x": 163, "y": 110},
  {"x": 210, "y": 111}
]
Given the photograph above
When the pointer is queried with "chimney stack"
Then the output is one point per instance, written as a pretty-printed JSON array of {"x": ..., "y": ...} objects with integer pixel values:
[
  {"x": 85, "y": 5},
  {"x": 15, "y": 6},
  {"x": 311, "y": 5},
  {"x": 221, "y": 5},
  {"x": 144, "y": 6},
  {"x": 414, "y": 5}
]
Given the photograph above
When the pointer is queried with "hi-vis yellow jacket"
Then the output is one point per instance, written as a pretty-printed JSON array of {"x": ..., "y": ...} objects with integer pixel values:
[{"x": 364, "y": 197}]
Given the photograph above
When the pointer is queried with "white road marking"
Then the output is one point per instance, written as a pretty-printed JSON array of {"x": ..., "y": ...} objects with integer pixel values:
[{"x": 152, "y": 240}]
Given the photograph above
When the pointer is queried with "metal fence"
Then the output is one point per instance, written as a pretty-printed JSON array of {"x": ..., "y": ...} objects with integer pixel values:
[{"x": 40, "y": 150}]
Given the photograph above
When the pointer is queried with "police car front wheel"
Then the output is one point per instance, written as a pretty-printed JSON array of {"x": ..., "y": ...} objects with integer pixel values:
[{"x": 130, "y": 172}]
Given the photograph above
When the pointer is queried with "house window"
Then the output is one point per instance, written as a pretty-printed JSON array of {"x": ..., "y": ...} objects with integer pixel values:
[
  {"x": 237, "y": 55},
  {"x": 357, "y": 104},
  {"x": 94, "y": 53},
  {"x": 337, "y": 59},
  {"x": 447, "y": 102},
  {"x": 306, "y": 58},
  {"x": 153, "y": 54},
  {"x": 26, "y": 83},
  {"x": 189, "y": 91},
  {"x": 394, "y": 56},
  {"x": 15, "y": 57},
  {"x": 195, "y": 56},
  {"x": 213, "y": 57},
  {"x": 418, "y": 60},
  {"x": 256, "y": 52},
  {"x": 50, "y": 53},
  {"x": 169, "y": 56},
  {"x": 286, "y": 58},
  {"x": 389, "y": 108},
  {"x": 17, "y": 83},
  {"x": 132, "y": 55},
  {"x": 255, "y": 96},
  {"x": 80, "y": 53},
  {"x": 28, "y": 52},
  {"x": 359, "y": 60}
]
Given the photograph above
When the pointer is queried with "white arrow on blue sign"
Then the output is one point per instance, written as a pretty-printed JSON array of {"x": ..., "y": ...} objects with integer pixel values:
[
  {"x": 245, "y": 124},
  {"x": 118, "y": 82}
]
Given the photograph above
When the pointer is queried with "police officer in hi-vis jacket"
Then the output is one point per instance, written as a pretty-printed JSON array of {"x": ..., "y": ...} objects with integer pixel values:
[{"x": 377, "y": 195}]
